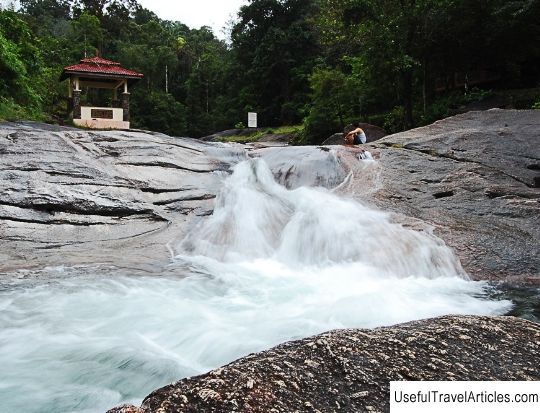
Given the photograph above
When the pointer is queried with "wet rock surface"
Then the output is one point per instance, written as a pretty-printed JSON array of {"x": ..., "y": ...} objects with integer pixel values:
[
  {"x": 350, "y": 370},
  {"x": 70, "y": 197},
  {"x": 474, "y": 177},
  {"x": 120, "y": 199},
  {"x": 73, "y": 197}
]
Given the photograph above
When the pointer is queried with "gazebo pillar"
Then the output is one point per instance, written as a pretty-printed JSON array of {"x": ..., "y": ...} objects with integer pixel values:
[
  {"x": 125, "y": 106},
  {"x": 125, "y": 102},
  {"x": 115, "y": 101},
  {"x": 77, "y": 100}
]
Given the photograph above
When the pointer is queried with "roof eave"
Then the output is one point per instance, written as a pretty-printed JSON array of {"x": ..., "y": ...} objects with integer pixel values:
[{"x": 67, "y": 73}]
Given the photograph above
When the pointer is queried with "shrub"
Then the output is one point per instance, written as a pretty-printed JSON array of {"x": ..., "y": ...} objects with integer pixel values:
[
  {"x": 394, "y": 121},
  {"x": 10, "y": 111}
]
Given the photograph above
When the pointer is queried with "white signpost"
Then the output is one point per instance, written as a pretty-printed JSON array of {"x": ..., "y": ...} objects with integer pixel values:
[{"x": 252, "y": 119}]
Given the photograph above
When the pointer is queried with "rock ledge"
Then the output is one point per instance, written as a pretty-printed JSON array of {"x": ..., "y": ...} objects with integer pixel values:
[{"x": 350, "y": 370}]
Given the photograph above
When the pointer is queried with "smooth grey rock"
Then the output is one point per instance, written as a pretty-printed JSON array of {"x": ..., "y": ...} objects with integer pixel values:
[
  {"x": 474, "y": 177},
  {"x": 335, "y": 139},
  {"x": 73, "y": 197},
  {"x": 350, "y": 370}
]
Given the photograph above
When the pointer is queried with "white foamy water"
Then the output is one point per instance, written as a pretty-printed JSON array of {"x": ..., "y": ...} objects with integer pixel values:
[{"x": 268, "y": 266}]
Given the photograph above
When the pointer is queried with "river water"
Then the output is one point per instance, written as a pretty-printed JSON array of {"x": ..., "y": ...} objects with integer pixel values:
[{"x": 269, "y": 265}]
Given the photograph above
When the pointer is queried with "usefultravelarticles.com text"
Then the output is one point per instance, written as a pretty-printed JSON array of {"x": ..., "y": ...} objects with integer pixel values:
[{"x": 464, "y": 396}]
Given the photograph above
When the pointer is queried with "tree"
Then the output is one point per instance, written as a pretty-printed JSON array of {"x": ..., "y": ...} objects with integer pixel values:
[
  {"x": 332, "y": 98},
  {"x": 21, "y": 62},
  {"x": 206, "y": 82},
  {"x": 93, "y": 7},
  {"x": 275, "y": 46},
  {"x": 87, "y": 33},
  {"x": 49, "y": 8},
  {"x": 156, "y": 110},
  {"x": 412, "y": 44}
]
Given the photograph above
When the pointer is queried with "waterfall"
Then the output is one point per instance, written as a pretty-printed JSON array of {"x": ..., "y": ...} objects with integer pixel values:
[
  {"x": 269, "y": 265},
  {"x": 256, "y": 218}
]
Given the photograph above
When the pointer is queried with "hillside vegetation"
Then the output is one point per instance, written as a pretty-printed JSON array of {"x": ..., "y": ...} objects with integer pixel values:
[{"x": 320, "y": 63}]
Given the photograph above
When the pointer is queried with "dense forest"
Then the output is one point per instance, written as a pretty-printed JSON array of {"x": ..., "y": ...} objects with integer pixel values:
[{"x": 316, "y": 63}]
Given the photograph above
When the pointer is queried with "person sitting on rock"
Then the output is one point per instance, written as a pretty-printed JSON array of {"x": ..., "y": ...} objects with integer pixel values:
[{"x": 356, "y": 136}]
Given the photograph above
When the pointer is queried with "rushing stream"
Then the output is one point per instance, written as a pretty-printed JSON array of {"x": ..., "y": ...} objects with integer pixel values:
[{"x": 269, "y": 265}]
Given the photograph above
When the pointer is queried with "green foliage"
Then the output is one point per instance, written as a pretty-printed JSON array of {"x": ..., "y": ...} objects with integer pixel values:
[
  {"x": 157, "y": 110},
  {"x": 239, "y": 125},
  {"x": 11, "y": 111},
  {"x": 337, "y": 99},
  {"x": 206, "y": 84},
  {"x": 536, "y": 104},
  {"x": 87, "y": 32},
  {"x": 274, "y": 47},
  {"x": 20, "y": 62},
  {"x": 450, "y": 104},
  {"x": 394, "y": 121},
  {"x": 295, "y": 131},
  {"x": 326, "y": 63},
  {"x": 416, "y": 49},
  {"x": 51, "y": 8},
  {"x": 476, "y": 95}
]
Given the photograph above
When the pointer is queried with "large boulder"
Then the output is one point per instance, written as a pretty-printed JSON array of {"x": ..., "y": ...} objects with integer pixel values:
[
  {"x": 350, "y": 370},
  {"x": 474, "y": 177},
  {"x": 75, "y": 197}
]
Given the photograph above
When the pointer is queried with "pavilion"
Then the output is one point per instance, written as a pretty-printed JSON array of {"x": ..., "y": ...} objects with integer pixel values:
[{"x": 99, "y": 73}]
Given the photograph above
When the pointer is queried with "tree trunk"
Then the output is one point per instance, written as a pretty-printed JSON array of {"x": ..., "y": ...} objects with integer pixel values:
[
  {"x": 407, "y": 98},
  {"x": 424, "y": 86}
]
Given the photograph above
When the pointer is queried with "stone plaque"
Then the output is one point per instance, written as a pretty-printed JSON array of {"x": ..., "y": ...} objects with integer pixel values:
[{"x": 102, "y": 113}]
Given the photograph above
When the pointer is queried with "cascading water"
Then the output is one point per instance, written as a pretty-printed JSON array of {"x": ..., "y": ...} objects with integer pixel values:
[
  {"x": 256, "y": 218},
  {"x": 269, "y": 265}
]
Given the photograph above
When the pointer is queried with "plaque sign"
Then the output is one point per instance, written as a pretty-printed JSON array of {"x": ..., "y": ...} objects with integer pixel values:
[
  {"x": 252, "y": 119},
  {"x": 102, "y": 113}
]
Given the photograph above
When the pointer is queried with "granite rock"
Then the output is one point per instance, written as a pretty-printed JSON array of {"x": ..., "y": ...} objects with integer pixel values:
[
  {"x": 350, "y": 370},
  {"x": 122, "y": 198}
]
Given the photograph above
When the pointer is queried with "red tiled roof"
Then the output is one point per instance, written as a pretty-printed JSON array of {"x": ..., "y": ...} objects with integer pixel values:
[
  {"x": 99, "y": 61},
  {"x": 101, "y": 66}
]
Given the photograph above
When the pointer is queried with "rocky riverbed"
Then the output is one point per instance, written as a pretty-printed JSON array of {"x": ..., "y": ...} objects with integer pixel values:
[
  {"x": 72, "y": 197},
  {"x": 121, "y": 201},
  {"x": 350, "y": 370}
]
